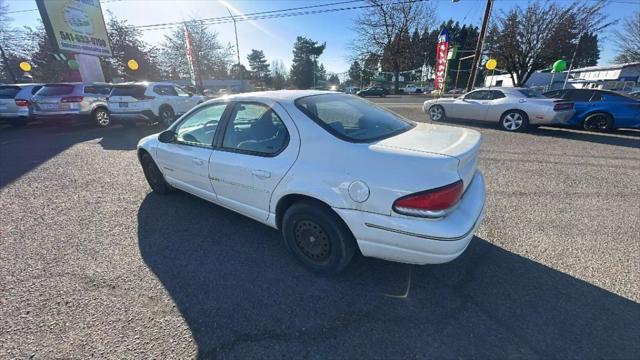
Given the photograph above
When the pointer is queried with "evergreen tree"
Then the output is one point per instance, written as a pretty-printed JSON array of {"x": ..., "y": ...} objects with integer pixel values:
[
  {"x": 259, "y": 67},
  {"x": 305, "y": 54}
]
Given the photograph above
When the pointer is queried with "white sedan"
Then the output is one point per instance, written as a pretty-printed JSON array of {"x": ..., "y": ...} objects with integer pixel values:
[
  {"x": 333, "y": 172},
  {"x": 514, "y": 108}
]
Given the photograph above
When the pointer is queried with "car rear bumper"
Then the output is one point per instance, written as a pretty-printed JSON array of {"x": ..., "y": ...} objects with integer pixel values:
[
  {"x": 552, "y": 117},
  {"x": 66, "y": 114},
  {"x": 417, "y": 240}
]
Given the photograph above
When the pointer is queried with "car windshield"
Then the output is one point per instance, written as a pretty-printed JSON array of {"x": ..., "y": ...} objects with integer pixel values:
[
  {"x": 529, "y": 93},
  {"x": 8, "y": 92},
  {"x": 54, "y": 90},
  {"x": 352, "y": 119}
]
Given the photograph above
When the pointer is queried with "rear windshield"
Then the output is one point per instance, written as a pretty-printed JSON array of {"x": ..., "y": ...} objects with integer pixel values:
[
  {"x": 351, "y": 118},
  {"x": 528, "y": 93},
  {"x": 136, "y": 91},
  {"x": 53, "y": 90},
  {"x": 8, "y": 92}
]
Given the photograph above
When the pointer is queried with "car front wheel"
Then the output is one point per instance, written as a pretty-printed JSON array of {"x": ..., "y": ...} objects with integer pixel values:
[
  {"x": 597, "y": 122},
  {"x": 514, "y": 121},
  {"x": 317, "y": 237},
  {"x": 153, "y": 175}
]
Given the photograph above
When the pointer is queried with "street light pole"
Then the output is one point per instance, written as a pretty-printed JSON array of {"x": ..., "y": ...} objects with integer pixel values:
[
  {"x": 235, "y": 28},
  {"x": 476, "y": 56}
]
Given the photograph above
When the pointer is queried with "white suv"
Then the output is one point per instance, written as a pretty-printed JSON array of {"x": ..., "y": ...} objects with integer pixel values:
[{"x": 150, "y": 102}]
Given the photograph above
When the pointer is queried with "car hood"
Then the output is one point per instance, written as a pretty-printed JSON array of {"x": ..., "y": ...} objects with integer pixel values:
[{"x": 435, "y": 139}]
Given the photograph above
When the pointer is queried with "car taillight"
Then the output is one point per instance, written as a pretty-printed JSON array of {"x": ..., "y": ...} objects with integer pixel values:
[
  {"x": 71, "y": 99},
  {"x": 430, "y": 203},
  {"x": 22, "y": 102},
  {"x": 563, "y": 106}
]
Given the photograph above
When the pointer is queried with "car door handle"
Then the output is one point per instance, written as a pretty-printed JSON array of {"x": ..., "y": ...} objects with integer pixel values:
[
  {"x": 261, "y": 174},
  {"x": 197, "y": 161}
]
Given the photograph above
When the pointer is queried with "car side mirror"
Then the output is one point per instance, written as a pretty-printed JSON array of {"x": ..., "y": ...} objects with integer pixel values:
[{"x": 167, "y": 136}]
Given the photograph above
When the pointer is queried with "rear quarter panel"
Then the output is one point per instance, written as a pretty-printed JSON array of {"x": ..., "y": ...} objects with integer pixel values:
[{"x": 326, "y": 166}]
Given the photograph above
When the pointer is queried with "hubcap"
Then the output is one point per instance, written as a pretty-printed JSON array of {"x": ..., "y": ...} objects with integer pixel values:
[
  {"x": 103, "y": 118},
  {"x": 312, "y": 240},
  {"x": 435, "y": 113},
  {"x": 513, "y": 121}
]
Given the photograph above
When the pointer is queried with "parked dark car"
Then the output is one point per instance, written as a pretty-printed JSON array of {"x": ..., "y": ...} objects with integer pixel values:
[
  {"x": 601, "y": 110},
  {"x": 373, "y": 91}
]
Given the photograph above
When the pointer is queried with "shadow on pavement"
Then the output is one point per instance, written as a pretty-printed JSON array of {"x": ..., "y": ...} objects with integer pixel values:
[
  {"x": 243, "y": 296},
  {"x": 24, "y": 149}
]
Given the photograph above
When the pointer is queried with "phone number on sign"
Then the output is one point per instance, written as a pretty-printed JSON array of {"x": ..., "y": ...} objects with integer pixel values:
[{"x": 82, "y": 39}]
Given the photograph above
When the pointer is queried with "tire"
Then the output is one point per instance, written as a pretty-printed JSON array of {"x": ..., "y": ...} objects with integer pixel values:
[
  {"x": 317, "y": 237},
  {"x": 436, "y": 113},
  {"x": 514, "y": 121},
  {"x": 101, "y": 117},
  {"x": 153, "y": 175},
  {"x": 598, "y": 122},
  {"x": 167, "y": 115}
]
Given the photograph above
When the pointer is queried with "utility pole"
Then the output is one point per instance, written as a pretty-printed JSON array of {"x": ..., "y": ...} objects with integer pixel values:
[
  {"x": 7, "y": 65},
  {"x": 476, "y": 56},
  {"x": 314, "y": 70},
  {"x": 235, "y": 28}
]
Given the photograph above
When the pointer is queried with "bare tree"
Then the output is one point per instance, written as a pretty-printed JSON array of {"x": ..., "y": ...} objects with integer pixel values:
[
  {"x": 628, "y": 40},
  {"x": 525, "y": 40},
  {"x": 382, "y": 29}
]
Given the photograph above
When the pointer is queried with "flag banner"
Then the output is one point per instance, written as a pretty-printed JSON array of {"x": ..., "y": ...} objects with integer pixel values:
[{"x": 442, "y": 52}]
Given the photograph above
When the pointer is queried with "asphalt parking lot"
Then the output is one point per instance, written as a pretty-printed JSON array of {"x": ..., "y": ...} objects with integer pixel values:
[{"x": 92, "y": 265}]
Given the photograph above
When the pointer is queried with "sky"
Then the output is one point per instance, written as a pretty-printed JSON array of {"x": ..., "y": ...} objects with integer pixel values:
[{"x": 276, "y": 36}]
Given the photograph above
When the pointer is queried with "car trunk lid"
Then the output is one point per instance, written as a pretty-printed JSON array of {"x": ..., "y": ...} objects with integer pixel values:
[{"x": 462, "y": 144}]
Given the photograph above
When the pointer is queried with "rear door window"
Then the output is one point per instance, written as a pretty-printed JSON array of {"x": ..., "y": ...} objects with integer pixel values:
[
  {"x": 55, "y": 90},
  {"x": 255, "y": 129},
  {"x": 165, "y": 90},
  {"x": 135, "y": 91},
  {"x": 8, "y": 92}
]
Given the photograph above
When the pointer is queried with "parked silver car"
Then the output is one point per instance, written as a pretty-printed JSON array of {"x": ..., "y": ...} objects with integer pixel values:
[
  {"x": 15, "y": 102},
  {"x": 73, "y": 100},
  {"x": 514, "y": 108}
]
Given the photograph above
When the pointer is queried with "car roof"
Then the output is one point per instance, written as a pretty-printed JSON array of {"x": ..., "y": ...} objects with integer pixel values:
[{"x": 278, "y": 95}]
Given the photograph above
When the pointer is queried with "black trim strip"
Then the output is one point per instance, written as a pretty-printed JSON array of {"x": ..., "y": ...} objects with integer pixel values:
[{"x": 437, "y": 238}]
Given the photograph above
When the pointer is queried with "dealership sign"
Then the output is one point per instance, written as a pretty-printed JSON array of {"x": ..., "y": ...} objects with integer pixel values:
[
  {"x": 76, "y": 26},
  {"x": 442, "y": 51}
]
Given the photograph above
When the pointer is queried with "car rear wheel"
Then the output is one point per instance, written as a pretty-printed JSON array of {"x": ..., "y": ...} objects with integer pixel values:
[
  {"x": 153, "y": 175},
  {"x": 514, "y": 121},
  {"x": 598, "y": 122},
  {"x": 317, "y": 237},
  {"x": 167, "y": 116},
  {"x": 436, "y": 113},
  {"x": 101, "y": 117}
]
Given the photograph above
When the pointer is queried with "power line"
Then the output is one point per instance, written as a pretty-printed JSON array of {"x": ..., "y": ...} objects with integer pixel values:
[
  {"x": 273, "y": 14},
  {"x": 30, "y": 10}
]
